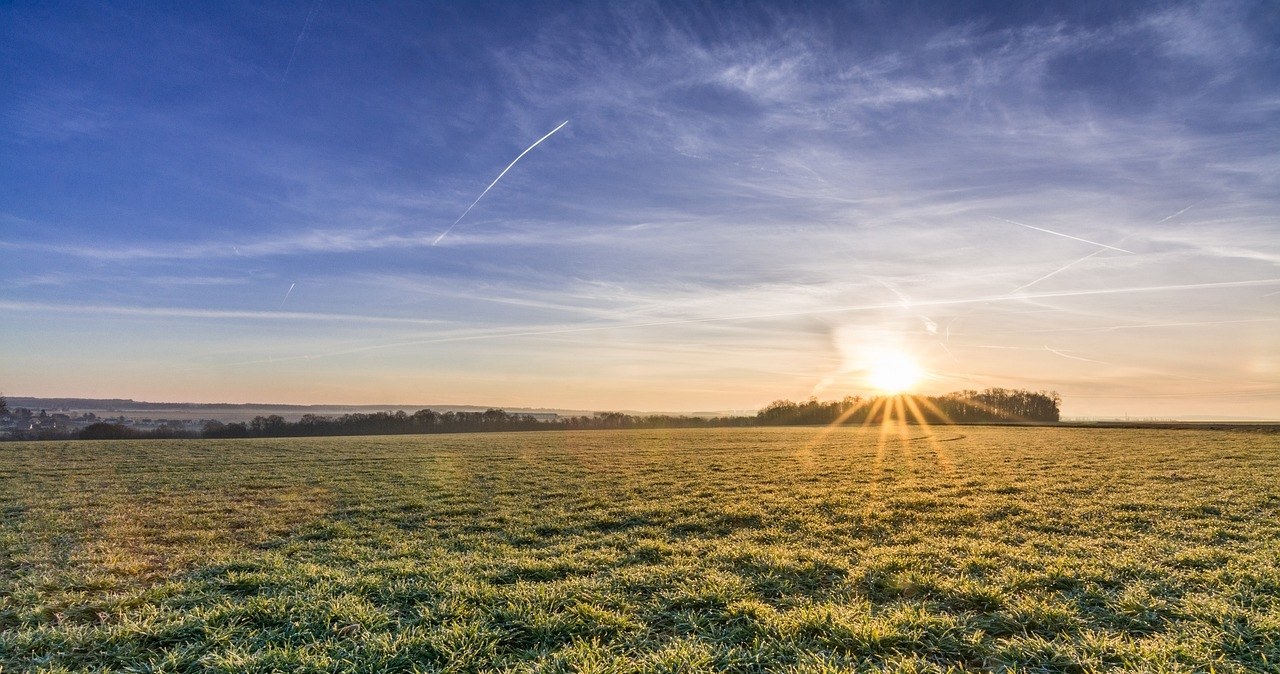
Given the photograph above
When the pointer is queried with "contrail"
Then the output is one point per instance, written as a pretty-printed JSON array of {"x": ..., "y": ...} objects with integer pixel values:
[
  {"x": 1057, "y": 271},
  {"x": 299, "y": 40},
  {"x": 286, "y": 294},
  {"x": 1067, "y": 355},
  {"x": 1096, "y": 252},
  {"x": 903, "y": 299},
  {"x": 930, "y": 325},
  {"x": 1170, "y": 217},
  {"x": 1069, "y": 265},
  {"x": 1138, "y": 326},
  {"x": 495, "y": 182},
  {"x": 1067, "y": 236}
]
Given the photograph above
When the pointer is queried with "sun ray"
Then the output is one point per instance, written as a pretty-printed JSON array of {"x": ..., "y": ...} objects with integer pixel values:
[
  {"x": 877, "y": 464},
  {"x": 943, "y": 459},
  {"x": 839, "y": 421},
  {"x": 876, "y": 407},
  {"x": 886, "y": 421},
  {"x": 904, "y": 433},
  {"x": 894, "y": 414},
  {"x": 935, "y": 409},
  {"x": 998, "y": 413}
]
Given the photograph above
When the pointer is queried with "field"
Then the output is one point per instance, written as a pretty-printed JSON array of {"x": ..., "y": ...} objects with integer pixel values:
[{"x": 782, "y": 549}]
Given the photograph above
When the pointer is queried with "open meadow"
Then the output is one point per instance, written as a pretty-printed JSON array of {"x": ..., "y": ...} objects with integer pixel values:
[{"x": 740, "y": 550}]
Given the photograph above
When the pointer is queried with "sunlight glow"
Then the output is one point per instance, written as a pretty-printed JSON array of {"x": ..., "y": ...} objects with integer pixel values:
[{"x": 894, "y": 372}]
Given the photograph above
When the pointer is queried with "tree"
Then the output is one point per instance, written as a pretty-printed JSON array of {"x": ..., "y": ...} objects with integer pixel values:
[
  {"x": 4, "y": 407},
  {"x": 425, "y": 418},
  {"x": 273, "y": 425},
  {"x": 107, "y": 431}
]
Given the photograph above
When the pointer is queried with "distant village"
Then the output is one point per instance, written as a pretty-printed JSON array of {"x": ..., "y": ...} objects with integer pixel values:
[
  {"x": 21, "y": 423},
  {"x": 69, "y": 418}
]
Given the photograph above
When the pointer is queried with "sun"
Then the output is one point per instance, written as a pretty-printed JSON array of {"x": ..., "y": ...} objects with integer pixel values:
[{"x": 893, "y": 372}]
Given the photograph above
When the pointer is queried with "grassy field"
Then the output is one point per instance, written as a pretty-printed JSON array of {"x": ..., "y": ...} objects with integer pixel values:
[{"x": 962, "y": 548}]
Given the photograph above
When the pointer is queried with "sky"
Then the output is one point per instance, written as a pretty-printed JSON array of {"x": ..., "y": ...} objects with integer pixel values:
[{"x": 245, "y": 202}]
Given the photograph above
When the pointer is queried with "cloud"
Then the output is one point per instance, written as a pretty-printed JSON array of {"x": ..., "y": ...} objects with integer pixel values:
[
  {"x": 60, "y": 115},
  {"x": 1212, "y": 32},
  {"x": 730, "y": 184},
  {"x": 81, "y": 310},
  {"x": 301, "y": 243}
]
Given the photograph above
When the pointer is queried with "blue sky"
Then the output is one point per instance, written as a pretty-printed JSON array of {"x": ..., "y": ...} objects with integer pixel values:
[{"x": 748, "y": 202}]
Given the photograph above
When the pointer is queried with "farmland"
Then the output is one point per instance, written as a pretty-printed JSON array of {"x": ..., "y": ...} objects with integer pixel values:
[{"x": 744, "y": 550}]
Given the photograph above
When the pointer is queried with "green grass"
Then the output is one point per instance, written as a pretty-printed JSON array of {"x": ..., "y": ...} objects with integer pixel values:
[{"x": 1018, "y": 549}]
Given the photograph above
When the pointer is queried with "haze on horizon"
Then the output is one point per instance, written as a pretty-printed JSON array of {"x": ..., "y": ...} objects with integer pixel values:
[{"x": 245, "y": 203}]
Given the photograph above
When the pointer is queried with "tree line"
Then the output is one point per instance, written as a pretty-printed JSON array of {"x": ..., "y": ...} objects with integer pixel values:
[
  {"x": 430, "y": 421},
  {"x": 993, "y": 405},
  {"x": 377, "y": 423},
  {"x": 996, "y": 405}
]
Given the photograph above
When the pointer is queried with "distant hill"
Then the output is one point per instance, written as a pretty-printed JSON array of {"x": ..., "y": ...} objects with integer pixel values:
[
  {"x": 242, "y": 411},
  {"x": 245, "y": 411}
]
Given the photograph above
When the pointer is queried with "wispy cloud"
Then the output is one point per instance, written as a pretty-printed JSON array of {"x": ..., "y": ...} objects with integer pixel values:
[
  {"x": 301, "y": 243},
  {"x": 81, "y": 310},
  {"x": 556, "y": 330}
]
